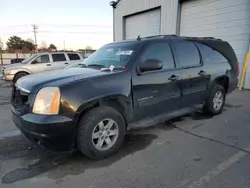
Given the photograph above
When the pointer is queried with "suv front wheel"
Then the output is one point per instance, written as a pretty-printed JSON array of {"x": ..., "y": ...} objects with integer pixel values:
[
  {"x": 216, "y": 100},
  {"x": 100, "y": 133},
  {"x": 18, "y": 76}
]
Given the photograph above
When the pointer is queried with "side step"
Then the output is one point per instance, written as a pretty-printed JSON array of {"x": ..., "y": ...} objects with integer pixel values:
[{"x": 147, "y": 122}]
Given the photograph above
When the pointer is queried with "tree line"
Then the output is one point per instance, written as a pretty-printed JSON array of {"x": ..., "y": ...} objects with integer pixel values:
[{"x": 15, "y": 43}]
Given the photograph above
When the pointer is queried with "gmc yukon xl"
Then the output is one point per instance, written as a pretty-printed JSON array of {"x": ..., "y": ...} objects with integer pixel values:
[{"x": 124, "y": 85}]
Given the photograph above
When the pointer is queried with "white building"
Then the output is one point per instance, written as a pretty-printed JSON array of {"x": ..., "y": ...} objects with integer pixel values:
[{"x": 225, "y": 19}]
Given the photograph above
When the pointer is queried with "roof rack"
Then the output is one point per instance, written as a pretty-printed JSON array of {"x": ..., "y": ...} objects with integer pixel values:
[
  {"x": 204, "y": 38},
  {"x": 154, "y": 36}
]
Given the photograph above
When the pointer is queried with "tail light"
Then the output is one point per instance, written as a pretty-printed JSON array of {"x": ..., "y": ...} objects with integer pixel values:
[{"x": 237, "y": 69}]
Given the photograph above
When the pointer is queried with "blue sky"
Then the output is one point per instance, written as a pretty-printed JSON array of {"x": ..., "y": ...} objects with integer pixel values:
[{"x": 77, "y": 22}]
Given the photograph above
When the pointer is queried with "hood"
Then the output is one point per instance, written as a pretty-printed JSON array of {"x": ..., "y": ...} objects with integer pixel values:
[
  {"x": 56, "y": 78},
  {"x": 12, "y": 66}
]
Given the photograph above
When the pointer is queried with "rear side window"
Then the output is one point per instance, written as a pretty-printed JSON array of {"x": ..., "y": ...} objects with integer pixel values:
[
  {"x": 210, "y": 55},
  {"x": 161, "y": 52},
  {"x": 187, "y": 54},
  {"x": 73, "y": 56},
  {"x": 58, "y": 57}
]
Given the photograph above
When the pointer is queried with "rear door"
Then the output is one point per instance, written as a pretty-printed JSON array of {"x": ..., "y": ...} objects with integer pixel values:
[
  {"x": 195, "y": 77},
  {"x": 156, "y": 92},
  {"x": 59, "y": 60}
]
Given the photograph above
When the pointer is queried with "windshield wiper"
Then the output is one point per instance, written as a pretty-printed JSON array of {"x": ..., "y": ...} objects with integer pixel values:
[
  {"x": 82, "y": 65},
  {"x": 96, "y": 65}
]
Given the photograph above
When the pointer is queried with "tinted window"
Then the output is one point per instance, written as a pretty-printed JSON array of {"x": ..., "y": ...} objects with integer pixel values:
[
  {"x": 58, "y": 57},
  {"x": 187, "y": 54},
  {"x": 161, "y": 52},
  {"x": 74, "y": 56},
  {"x": 42, "y": 59},
  {"x": 211, "y": 56}
]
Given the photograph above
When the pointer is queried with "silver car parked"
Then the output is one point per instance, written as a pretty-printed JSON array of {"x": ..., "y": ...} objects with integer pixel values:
[{"x": 39, "y": 63}]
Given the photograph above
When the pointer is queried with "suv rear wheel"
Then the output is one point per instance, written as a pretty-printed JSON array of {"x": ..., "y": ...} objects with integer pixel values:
[
  {"x": 216, "y": 100},
  {"x": 101, "y": 133}
]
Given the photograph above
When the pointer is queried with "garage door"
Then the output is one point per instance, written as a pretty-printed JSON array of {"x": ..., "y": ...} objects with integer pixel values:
[
  {"x": 144, "y": 24},
  {"x": 225, "y": 19}
]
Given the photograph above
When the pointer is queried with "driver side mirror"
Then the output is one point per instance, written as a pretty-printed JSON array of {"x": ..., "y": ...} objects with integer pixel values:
[
  {"x": 34, "y": 62},
  {"x": 150, "y": 65}
]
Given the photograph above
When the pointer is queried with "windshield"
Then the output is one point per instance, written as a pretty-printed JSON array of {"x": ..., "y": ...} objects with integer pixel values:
[
  {"x": 116, "y": 55},
  {"x": 77, "y": 63},
  {"x": 28, "y": 59}
]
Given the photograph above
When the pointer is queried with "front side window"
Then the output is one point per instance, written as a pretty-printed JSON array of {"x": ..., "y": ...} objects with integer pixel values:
[
  {"x": 187, "y": 54},
  {"x": 117, "y": 55},
  {"x": 58, "y": 57},
  {"x": 160, "y": 51},
  {"x": 29, "y": 59},
  {"x": 42, "y": 59},
  {"x": 73, "y": 56}
]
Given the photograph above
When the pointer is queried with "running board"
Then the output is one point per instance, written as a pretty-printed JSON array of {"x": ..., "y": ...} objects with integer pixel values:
[{"x": 147, "y": 122}]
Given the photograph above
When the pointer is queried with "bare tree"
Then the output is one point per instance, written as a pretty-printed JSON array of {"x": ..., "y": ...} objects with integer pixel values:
[
  {"x": 88, "y": 47},
  {"x": 44, "y": 45},
  {"x": 1, "y": 44}
]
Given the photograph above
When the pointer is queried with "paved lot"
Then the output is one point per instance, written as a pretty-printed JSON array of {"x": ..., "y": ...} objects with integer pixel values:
[{"x": 192, "y": 151}]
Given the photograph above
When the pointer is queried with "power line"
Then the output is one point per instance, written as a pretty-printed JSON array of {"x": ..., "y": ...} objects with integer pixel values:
[
  {"x": 75, "y": 32},
  {"x": 12, "y": 27},
  {"x": 72, "y": 25}
]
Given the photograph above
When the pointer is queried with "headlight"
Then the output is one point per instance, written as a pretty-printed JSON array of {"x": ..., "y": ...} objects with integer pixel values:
[
  {"x": 7, "y": 71},
  {"x": 47, "y": 101}
]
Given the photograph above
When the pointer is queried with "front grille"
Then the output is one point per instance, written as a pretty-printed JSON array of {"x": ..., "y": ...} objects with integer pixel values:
[{"x": 19, "y": 99}]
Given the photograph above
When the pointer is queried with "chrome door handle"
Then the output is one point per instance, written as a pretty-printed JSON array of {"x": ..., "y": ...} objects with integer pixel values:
[
  {"x": 202, "y": 73},
  {"x": 173, "y": 78}
]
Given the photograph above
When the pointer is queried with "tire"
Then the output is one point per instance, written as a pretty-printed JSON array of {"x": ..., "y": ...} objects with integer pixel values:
[
  {"x": 89, "y": 123},
  {"x": 209, "y": 107},
  {"x": 18, "y": 76}
]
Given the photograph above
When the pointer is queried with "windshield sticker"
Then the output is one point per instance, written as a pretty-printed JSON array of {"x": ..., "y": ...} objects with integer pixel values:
[
  {"x": 126, "y": 52},
  {"x": 111, "y": 68},
  {"x": 110, "y": 50}
]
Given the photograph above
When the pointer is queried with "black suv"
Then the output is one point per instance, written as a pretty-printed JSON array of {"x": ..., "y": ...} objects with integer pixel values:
[{"x": 123, "y": 85}]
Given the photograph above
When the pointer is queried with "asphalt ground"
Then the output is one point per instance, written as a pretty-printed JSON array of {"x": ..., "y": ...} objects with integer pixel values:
[{"x": 187, "y": 152}]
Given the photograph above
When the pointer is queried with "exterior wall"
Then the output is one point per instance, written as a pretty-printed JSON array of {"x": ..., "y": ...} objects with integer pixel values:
[
  {"x": 225, "y": 19},
  {"x": 127, "y": 7}
]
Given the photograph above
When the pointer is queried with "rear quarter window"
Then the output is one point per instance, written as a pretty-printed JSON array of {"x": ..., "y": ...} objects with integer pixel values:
[
  {"x": 73, "y": 56},
  {"x": 210, "y": 55}
]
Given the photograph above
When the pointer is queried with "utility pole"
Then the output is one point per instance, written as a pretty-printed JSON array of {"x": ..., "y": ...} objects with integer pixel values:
[
  {"x": 35, "y": 28},
  {"x": 64, "y": 45}
]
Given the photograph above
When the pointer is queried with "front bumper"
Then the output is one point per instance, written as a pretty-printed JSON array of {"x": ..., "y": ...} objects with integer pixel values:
[
  {"x": 8, "y": 77},
  {"x": 55, "y": 132}
]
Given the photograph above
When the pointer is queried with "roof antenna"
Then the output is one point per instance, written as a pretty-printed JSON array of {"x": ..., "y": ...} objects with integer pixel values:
[{"x": 138, "y": 38}]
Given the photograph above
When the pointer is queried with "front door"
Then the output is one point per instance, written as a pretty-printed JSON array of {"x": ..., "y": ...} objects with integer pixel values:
[
  {"x": 195, "y": 77},
  {"x": 40, "y": 64},
  {"x": 156, "y": 92}
]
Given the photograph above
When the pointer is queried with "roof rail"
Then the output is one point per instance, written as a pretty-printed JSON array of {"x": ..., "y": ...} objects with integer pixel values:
[
  {"x": 205, "y": 38},
  {"x": 164, "y": 36}
]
